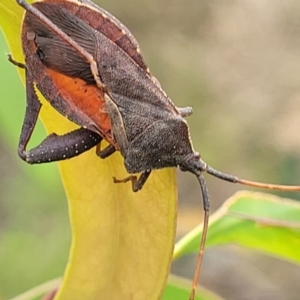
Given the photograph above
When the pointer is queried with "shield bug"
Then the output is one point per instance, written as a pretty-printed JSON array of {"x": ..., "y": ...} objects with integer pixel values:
[{"x": 79, "y": 42}]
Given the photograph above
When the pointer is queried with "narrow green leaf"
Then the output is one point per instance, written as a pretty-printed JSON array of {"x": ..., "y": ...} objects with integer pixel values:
[
  {"x": 179, "y": 289},
  {"x": 39, "y": 291},
  {"x": 254, "y": 220}
]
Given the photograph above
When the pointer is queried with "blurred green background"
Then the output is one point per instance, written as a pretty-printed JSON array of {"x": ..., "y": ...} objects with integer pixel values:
[{"x": 237, "y": 64}]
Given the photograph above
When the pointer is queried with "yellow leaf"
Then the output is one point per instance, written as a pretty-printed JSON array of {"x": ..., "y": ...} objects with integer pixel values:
[{"x": 122, "y": 241}]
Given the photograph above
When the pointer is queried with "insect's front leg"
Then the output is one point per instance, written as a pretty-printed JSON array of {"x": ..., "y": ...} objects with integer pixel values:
[{"x": 137, "y": 183}]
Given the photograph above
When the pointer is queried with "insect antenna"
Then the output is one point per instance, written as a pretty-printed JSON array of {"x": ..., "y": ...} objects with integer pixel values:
[
  {"x": 206, "y": 205},
  {"x": 227, "y": 177}
]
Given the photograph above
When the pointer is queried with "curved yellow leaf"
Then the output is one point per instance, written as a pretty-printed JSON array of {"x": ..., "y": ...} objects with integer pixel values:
[{"x": 122, "y": 241}]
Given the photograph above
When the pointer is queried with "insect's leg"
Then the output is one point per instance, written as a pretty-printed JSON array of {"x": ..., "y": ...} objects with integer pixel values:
[
  {"x": 16, "y": 63},
  {"x": 141, "y": 181},
  {"x": 33, "y": 107},
  {"x": 61, "y": 147},
  {"x": 137, "y": 183},
  {"x": 107, "y": 151},
  {"x": 185, "y": 111}
]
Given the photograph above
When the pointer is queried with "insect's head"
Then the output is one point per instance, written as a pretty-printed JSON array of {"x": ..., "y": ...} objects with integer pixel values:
[{"x": 192, "y": 163}]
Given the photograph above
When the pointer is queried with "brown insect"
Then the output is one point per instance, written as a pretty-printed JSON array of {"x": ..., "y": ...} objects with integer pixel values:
[{"x": 89, "y": 67}]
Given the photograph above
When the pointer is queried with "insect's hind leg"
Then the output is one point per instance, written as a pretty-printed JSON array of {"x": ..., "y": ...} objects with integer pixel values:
[
  {"x": 61, "y": 147},
  {"x": 33, "y": 107}
]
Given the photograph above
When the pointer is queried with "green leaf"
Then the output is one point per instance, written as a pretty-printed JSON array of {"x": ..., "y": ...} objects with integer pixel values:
[
  {"x": 179, "y": 289},
  {"x": 254, "y": 220},
  {"x": 122, "y": 241},
  {"x": 37, "y": 292}
]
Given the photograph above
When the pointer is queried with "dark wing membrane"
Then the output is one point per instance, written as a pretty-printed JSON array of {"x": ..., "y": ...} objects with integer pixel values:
[
  {"x": 54, "y": 52},
  {"x": 111, "y": 27},
  {"x": 57, "y": 55}
]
